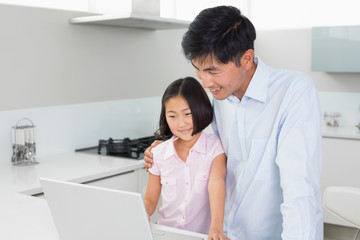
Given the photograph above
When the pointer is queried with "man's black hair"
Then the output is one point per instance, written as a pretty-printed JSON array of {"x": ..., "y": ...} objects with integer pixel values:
[{"x": 221, "y": 32}]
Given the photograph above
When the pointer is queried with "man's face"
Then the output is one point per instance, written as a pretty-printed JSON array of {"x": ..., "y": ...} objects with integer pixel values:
[{"x": 221, "y": 79}]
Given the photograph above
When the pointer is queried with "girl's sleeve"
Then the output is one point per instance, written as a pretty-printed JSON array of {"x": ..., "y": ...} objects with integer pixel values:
[
  {"x": 155, "y": 167},
  {"x": 218, "y": 146}
]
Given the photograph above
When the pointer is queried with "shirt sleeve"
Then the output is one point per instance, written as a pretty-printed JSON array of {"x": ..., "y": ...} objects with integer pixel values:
[
  {"x": 155, "y": 167},
  {"x": 218, "y": 146},
  {"x": 299, "y": 161}
]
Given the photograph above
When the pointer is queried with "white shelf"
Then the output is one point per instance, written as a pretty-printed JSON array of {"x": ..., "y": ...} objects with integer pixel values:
[
  {"x": 341, "y": 132},
  {"x": 132, "y": 20}
]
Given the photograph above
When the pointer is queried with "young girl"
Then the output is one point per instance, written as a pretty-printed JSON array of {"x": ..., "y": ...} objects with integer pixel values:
[{"x": 189, "y": 169}]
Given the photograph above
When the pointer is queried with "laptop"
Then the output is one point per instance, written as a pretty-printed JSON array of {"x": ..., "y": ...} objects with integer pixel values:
[{"x": 92, "y": 213}]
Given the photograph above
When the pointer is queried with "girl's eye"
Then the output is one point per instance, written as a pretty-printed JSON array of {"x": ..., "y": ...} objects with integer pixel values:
[
  {"x": 188, "y": 114},
  {"x": 171, "y": 116}
]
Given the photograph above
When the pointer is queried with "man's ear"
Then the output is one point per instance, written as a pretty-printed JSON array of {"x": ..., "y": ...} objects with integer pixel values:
[{"x": 247, "y": 59}]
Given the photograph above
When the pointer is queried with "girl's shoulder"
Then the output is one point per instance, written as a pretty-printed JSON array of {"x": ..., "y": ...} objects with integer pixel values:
[
  {"x": 213, "y": 143},
  {"x": 212, "y": 139},
  {"x": 162, "y": 146}
]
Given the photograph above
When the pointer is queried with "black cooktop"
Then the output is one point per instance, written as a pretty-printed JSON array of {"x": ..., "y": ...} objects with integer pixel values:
[{"x": 128, "y": 148}]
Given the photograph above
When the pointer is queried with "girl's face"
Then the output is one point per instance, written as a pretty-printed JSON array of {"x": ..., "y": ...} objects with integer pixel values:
[{"x": 179, "y": 118}]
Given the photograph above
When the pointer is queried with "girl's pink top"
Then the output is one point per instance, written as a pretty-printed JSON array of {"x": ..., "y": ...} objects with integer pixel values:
[{"x": 184, "y": 191}]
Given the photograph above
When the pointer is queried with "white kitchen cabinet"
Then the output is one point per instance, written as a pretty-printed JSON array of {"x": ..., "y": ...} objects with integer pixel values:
[
  {"x": 341, "y": 167},
  {"x": 133, "y": 181},
  {"x": 127, "y": 181},
  {"x": 143, "y": 177},
  {"x": 331, "y": 45}
]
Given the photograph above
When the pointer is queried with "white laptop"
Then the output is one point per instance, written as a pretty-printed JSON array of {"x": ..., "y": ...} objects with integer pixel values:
[{"x": 83, "y": 212}]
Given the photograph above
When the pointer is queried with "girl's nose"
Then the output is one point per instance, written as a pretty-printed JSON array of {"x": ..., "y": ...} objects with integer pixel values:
[{"x": 181, "y": 121}]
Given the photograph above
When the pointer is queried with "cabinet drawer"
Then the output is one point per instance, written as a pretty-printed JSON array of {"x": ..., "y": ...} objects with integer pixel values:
[{"x": 126, "y": 181}]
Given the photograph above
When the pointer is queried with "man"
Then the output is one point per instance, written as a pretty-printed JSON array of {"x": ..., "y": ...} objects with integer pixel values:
[{"x": 269, "y": 124}]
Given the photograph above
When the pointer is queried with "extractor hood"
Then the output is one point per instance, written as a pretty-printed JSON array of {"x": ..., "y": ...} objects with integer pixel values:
[
  {"x": 132, "y": 20},
  {"x": 144, "y": 14}
]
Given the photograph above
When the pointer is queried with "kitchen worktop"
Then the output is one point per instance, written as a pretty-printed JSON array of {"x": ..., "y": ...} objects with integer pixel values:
[
  {"x": 74, "y": 167},
  {"x": 23, "y": 216},
  {"x": 341, "y": 132}
]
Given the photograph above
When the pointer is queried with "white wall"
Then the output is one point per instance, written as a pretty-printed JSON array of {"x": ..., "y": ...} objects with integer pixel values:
[
  {"x": 79, "y": 84},
  {"x": 292, "y": 49},
  {"x": 284, "y": 14},
  {"x": 82, "y": 83},
  {"x": 338, "y": 92},
  {"x": 46, "y": 61}
]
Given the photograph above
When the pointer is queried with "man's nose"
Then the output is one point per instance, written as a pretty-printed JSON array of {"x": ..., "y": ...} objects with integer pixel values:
[{"x": 206, "y": 80}]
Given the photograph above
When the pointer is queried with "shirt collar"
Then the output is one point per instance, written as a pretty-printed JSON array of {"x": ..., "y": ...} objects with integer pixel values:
[
  {"x": 258, "y": 86},
  {"x": 199, "y": 146}
]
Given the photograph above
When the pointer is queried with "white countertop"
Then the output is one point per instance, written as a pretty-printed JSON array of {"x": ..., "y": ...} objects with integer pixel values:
[
  {"x": 26, "y": 217},
  {"x": 74, "y": 167},
  {"x": 341, "y": 132}
]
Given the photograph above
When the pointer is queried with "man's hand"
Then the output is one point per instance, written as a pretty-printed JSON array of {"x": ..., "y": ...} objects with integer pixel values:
[{"x": 148, "y": 158}]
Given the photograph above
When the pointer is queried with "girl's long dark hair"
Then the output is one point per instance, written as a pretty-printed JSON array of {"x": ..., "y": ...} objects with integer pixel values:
[{"x": 192, "y": 91}]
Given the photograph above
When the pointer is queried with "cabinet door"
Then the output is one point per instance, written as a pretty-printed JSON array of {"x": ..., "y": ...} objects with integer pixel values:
[
  {"x": 143, "y": 177},
  {"x": 341, "y": 167},
  {"x": 125, "y": 181},
  {"x": 336, "y": 49}
]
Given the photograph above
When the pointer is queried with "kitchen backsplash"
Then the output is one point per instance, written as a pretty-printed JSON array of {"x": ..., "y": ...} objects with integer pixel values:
[
  {"x": 345, "y": 103},
  {"x": 68, "y": 127}
]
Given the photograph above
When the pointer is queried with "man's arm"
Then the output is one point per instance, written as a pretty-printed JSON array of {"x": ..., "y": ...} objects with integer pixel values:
[{"x": 299, "y": 161}]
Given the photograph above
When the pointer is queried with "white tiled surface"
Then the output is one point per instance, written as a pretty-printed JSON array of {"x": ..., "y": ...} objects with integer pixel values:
[
  {"x": 60, "y": 129},
  {"x": 346, "y": 103}
]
